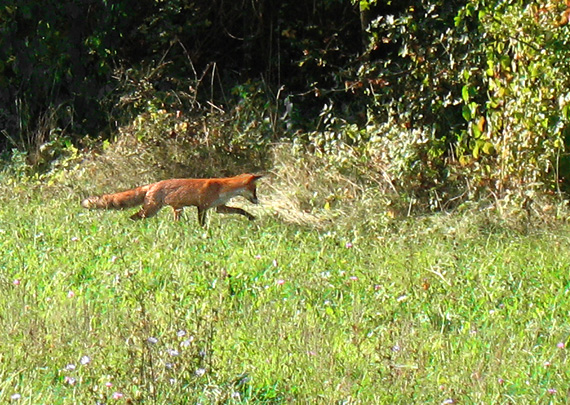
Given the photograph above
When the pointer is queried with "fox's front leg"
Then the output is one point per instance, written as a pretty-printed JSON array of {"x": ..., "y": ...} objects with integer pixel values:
[
  {"x": 202, "y": 216},
  {"x": 234, "y": 210}
]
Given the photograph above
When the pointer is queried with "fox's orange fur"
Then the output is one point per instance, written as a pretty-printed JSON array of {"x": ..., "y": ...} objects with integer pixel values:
[{"x": 180, "y": 193}]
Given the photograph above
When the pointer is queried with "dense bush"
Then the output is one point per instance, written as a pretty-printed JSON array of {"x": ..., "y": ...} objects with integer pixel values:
[{"x": 482, "y": 85}]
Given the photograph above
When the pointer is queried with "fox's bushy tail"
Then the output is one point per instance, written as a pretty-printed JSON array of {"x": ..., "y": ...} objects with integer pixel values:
[{"x": 124, "y": 199}]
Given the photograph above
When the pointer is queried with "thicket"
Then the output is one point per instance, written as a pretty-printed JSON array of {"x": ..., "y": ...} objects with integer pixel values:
[{"x": 432, "y": 102}]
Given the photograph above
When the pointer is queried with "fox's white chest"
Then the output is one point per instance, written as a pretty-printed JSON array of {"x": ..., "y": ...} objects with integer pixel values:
[{"x": 225, "y": 197}]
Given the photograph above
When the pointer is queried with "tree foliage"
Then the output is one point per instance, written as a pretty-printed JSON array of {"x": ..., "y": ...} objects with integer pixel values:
[{"x": 484, "y": 82}]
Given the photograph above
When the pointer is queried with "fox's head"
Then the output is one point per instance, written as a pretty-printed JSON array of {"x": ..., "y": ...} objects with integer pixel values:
[{"x": 249, "y": 191}]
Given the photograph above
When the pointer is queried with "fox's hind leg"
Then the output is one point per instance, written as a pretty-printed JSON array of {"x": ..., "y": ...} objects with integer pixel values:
[
  {"x": 149, "y": 209},
  {"x": 146, "y": 211},
  {"x": 176, "y": 212}
]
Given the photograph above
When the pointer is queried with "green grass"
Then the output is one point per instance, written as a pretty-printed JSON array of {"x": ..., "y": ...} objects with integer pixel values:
[{"x": 418, "y": 311}]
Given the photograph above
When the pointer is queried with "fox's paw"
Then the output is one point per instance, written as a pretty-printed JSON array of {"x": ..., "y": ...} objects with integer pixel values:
[{"x": 136, "y": 216}]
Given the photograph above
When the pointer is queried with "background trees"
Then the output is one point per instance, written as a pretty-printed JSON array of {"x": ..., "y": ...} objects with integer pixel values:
[{"x": 446, "y": 97}]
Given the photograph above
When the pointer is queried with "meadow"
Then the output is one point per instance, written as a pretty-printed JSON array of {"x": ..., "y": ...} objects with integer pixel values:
[{"x": 438, "y": 309}]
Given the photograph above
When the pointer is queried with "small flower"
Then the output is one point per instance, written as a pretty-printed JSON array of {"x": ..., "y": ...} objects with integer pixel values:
[
  {"x": 108, "y": 384},
  {"x": 181, "y": 333},
  {"x": 275, "y": 264},
  {"x": 187, "y": 342},
  {"x": 169, "y": 366},
  {"x": 311, "y": 353},
  {"x": 85, "y": 360},
  {"x": 70, "y": 367},
  {"x": 117, "y": 395},
  {"x": 280, "y": 282},
  {"x": 552, "y": 391},
  {"x": 560, "y": 345},
  {"x": 200, "y": 372},
  {"x": 348, "y": 245},
  {"x": 377, "y": 287},
  {"x": 152, "y": 340},
  {"x": 74, "y": 238},
  {"x": 16, "y": 282},
  {"x": 547, "y": 364},
  {"x": 396, "y": 348},
  {"x": 500, "y": 381},
  {"x": 173, "y": 352},
  {"x": 15, "y": 397},
  {"x": 257, "y": 257},
  {"x": 113, "y": 259},
  {"x": 69, "y": 380},
  {"x": 70, "y": 294},
  {"x": 353, "y": 278},
  {"x": 402, "y": 298},
  {"x": 449, "y": 401}
]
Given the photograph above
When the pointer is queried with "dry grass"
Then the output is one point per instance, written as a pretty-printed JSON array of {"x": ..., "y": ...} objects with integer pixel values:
[{"x": 312, "y": 191}]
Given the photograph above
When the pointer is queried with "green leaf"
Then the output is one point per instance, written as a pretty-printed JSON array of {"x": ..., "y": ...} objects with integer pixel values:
[
  {"x": 465, "y": 93},
  {"x": 466, "y": 112},
  {"x": 565, "y": 111},
  {"x": 476, "y": 131},
  {"x": 488, "y": 148}
]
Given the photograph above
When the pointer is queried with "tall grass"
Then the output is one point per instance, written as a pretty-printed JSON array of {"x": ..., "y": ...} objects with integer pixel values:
[{"x": 96, "y": 308}]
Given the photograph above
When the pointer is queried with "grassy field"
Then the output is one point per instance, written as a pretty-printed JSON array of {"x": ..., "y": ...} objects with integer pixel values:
[{"x": 95, "y": 308}]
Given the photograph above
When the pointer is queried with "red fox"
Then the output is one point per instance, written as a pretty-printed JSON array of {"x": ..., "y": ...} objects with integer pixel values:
[{"x": 180, "y": 193}]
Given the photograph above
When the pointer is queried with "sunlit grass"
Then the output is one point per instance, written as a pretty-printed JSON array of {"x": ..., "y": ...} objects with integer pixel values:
[{"x": 97, "y": 308}]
